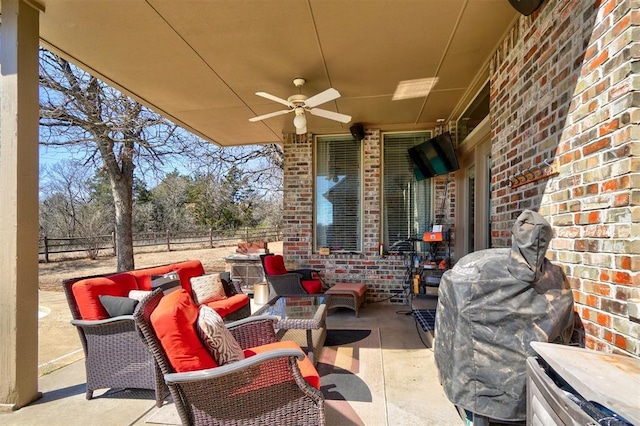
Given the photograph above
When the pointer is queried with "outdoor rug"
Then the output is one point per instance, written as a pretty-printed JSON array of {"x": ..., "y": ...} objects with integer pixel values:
[{"x": 351, "y": 379}]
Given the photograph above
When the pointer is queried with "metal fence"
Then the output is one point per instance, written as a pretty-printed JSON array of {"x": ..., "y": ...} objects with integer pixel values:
[{"x": 169, "y": 240}]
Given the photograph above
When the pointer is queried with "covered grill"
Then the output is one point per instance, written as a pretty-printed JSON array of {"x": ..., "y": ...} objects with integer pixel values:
[{"x": 491, "y": 305}]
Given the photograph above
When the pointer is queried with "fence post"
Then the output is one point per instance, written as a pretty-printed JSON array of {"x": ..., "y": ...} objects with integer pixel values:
[
  {"x": 168, "y": 241},
  {"x": 211, "y": 237},
  {"x": 113, "y": 242},
  {"x": 46, "y": 249}
]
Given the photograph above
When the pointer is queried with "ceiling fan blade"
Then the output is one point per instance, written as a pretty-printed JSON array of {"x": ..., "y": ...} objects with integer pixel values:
[
  {"x": 275, "y": 99},
  {"x": 301, "y": 131},
  {"x": 322, "y": 97},
  {"x": 343, "y": 118},
  {"x": 271, "y": 114}
]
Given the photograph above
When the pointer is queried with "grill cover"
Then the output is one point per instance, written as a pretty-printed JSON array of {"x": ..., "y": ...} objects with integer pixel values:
[{"x": 491, "y": 305}]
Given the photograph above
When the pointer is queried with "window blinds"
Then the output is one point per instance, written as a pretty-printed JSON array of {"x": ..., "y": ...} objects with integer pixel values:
[
  {"x": 407, "y": 203},
  {"x": 338, "y": 194}
]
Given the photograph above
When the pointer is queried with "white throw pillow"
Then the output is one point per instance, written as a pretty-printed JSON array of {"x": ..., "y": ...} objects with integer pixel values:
[
  {"x": 207, "y": 288},
  {"x": 217, "y": 338},
  {"x": 139, "y": 294}
]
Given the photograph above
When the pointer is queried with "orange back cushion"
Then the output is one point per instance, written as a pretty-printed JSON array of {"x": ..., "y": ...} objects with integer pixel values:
[
  {"x": 144, "y": 275},
  {"x": 186, "y": 271},
  {"x": 174, "y": 321},
  {"x": 86, "y": 292},
  {"x": 274, "y": 265}
]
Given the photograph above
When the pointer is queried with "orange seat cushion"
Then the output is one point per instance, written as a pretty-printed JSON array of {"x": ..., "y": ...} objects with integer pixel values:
[
  {"x": 174, "y": 321},
  {"x": 88, "y": 290},
  {"x": 359, "y": 289},
  {"x": 307, "y": 369},
  {"x": 312, "y": 286},
  {"x": 274, "y": 265},
  {"x": 231, "y": 304}
]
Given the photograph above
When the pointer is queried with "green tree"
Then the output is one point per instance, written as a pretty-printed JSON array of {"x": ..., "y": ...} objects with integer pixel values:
[
  {"x": 236, "y": 200},
  {"x": 203, "y": 196},
  {"x": 170, "y": 199}
]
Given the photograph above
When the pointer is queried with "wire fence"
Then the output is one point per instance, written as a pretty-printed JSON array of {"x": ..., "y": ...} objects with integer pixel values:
[{"x": 91, "y": 246}]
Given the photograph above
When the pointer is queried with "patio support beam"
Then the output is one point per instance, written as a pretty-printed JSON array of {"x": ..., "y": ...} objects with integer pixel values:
[{"x": 19, "y": 203}]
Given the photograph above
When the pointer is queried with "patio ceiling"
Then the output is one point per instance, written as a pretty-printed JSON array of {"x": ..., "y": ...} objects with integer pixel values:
[{"x": 199, "y": 63}]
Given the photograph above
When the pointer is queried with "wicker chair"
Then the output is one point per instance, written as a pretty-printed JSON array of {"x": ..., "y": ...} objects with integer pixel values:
[
  {"x": 266, "y": 388},
  {"x": 283, "y": 282},
  {"x": 114, "y": 354}
]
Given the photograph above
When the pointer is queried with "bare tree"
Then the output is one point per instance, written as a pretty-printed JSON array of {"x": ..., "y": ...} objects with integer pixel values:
[
  {"x": 110, "y": 130},
  {"x": 63, "y": 192},
  {"x": 261, "y": 165},
  {"x": 114, "y": 133}
]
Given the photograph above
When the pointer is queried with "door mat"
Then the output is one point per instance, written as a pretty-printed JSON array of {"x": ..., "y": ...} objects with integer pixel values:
[{"x": 343, "y": 337}]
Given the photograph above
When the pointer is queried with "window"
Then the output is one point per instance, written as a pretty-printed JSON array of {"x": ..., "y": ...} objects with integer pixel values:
[
  {"x": 407, "y": 203},
  {"x": 338, "y": 194},
  {"x": 474, "y": 114}
]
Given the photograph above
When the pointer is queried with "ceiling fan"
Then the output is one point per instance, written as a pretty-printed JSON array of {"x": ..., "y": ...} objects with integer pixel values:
[{"x": 299, "y": 104}]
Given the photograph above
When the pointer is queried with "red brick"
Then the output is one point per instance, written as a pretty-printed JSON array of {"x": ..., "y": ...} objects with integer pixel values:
[
  {"x": 596, "y": 146},
  {"x": 622, "y": 25},
  {"x": 603, "y": 319},
  {"x": 593, "y": 189},
  {"x": 598, "y": 60},
  {"x": 621, "y": 200},
  {"x": 621, "y": 277},
  {"x": 608, "y": 127},
  {"x": 587, "y": 218},
  {"x": 621, "y": 342},
  {"x": 625, "y": 262},
  {"x": 616, "y": 184},
  {"x": 608, "y": 7}
]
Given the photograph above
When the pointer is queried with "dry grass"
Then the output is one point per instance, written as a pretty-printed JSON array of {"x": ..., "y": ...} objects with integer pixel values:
[{"x": 51, "y": 274}]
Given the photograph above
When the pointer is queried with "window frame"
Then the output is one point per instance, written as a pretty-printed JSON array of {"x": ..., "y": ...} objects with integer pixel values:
[
  {"x": 315, "y": 248},
  {"x": 472, "y": 105}
]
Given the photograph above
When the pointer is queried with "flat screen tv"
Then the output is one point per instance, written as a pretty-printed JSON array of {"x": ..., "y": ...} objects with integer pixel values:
[{"x": 434, "y": 157}]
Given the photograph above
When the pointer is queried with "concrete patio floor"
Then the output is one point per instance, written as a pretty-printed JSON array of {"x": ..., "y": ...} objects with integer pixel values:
[{"x": 412, "y": 392}]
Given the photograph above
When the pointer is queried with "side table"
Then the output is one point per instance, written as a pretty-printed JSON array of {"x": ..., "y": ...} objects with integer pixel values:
[{"x": 302, "y": 319}]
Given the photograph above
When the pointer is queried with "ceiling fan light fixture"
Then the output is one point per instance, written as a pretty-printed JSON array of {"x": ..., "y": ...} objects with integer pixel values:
[
  {"x": 300, "y": 103},
  {"x": 300, "y": 121}
]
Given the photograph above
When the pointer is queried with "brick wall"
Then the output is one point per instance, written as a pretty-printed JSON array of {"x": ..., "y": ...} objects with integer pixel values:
[
  {"x": 564, "y": 88},
  {"x": 384, "y": 276}
]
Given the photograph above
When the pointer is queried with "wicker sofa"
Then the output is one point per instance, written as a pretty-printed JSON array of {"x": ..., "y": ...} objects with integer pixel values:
[{"x": 115, "y": 356}]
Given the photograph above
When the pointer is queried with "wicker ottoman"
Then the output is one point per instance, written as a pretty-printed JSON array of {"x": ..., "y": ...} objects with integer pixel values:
[{"x": 347, "y": 295}]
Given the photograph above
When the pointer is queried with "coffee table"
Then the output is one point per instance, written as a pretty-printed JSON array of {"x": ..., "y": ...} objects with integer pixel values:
[{"x": 301, "y": 318}]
